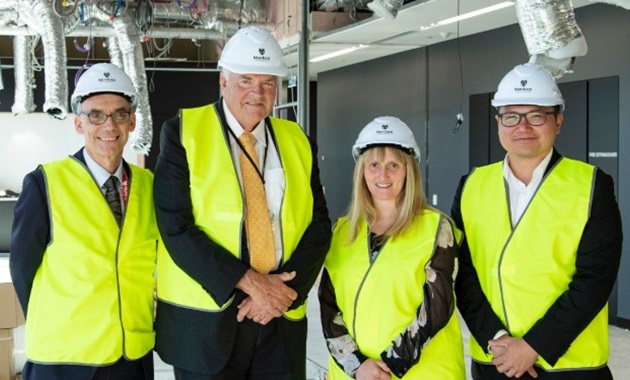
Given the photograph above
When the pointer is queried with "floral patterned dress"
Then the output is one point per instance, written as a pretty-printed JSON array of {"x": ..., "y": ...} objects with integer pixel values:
[{"x": 432, "y": 315}]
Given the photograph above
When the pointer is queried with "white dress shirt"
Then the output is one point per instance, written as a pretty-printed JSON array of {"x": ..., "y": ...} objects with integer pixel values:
[
  {"x": 272, "y": 172},
  {"x": 101, "y": 175},
  {"x": 520, "y": 193}
]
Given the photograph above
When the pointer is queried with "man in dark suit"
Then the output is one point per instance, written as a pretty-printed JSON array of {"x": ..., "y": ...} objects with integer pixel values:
[
  {"x": 245, "y": 226},
  {"x": 83, "y": 247},
  {"x": 542, "y": 246}
]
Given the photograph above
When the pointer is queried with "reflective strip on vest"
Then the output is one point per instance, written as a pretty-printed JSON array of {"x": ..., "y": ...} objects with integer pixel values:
[
  {"x": 521, "y": 280},
  {"x": 92, "y": 297},
  {"x": 218, "y": 204},
  {"x": 379, "y": 301}
]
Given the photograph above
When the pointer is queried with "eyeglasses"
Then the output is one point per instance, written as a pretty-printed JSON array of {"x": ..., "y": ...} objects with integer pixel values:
[
  {"x": 119, "y": 117},
  {"x": 533, "y": 118}
]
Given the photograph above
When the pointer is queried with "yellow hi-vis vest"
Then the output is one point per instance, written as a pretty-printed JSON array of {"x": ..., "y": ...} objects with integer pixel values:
[
  {"x": 218, "y": 205},
  {"x": 92, "y": 296},
  {"x": 524, "y": 269},
  {"x": 379, "y": 301}
]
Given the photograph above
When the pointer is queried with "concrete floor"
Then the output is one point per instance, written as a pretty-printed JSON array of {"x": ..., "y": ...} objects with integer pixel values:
[{"x": 317, "y": 353}]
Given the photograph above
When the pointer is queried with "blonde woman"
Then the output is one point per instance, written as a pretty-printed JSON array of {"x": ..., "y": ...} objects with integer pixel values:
[{"x": 386, "y": 294}]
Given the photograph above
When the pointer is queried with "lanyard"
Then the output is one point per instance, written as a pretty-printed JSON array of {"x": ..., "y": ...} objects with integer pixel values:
[
  {"x": 124, "y": 188},
  {"x": 261, "y": 171},
  {"x": 225, "y": 126}
]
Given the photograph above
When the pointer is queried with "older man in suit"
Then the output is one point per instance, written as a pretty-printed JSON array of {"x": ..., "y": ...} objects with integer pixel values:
[{"x": 245, "y": 226}]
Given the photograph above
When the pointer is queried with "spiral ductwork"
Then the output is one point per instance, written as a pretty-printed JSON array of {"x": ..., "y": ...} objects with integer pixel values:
[
  {"x": 23, "y": 71},
  {"x": 41, "y": 18},
  {"x": 551, "y": 34},
  {"x": 128, "y": 47}
]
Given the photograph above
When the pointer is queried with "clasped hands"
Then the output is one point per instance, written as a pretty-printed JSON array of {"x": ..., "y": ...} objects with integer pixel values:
[
  {"x": 513, "y": 356},
  {"x": 268, "y": 296}
]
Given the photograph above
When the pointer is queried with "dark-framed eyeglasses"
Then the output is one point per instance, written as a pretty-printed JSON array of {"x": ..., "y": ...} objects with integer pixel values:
[
  {"x": 533, "y": 118},
  {"x": 97, "y": 118}
]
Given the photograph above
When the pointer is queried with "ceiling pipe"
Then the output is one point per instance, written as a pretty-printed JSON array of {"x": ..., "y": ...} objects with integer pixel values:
[
  {"x": 551, "y": 34},
  {"x": 40, "y": 17},
  {"x": 108, "y": 31},
  {"x": 23, "y": 73},
  {"x": 386, "y": 8},
  {"x": 128, "y": 46}
]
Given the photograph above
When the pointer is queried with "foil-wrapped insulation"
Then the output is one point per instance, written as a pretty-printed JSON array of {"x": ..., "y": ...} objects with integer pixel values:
[
  {"x": 9, "y": 5},
  {"x": 546, "y": 24},
  {"x": 336, "y": 5},
  {"x": 386, "y": 8},
  {"x": 551, "y": 34},
  {"x": 24, "y": 78},
  {"x": 133, "y": 60},
  {"x": 115, "y": 55},
  {"x": 128, "y": 38},
  {"x": 70, "y": 22},
  {"x": 7, "y": 16},
  {"x": 49, "y": 26}
]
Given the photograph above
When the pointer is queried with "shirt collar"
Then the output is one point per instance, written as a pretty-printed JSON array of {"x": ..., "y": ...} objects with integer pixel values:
[
  {"x": 98, "y": 172},
  {"x": 536, "y": 175},
  {"x": 235, "y": 126}
]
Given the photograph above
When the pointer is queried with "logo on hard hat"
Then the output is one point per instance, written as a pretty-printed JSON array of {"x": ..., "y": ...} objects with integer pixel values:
[
  {"x": 384, "y": 131},
  {"x": 107, "y": 78},
  {"x": 523, "y": 89},
  {"x": 261, "y": 57}
]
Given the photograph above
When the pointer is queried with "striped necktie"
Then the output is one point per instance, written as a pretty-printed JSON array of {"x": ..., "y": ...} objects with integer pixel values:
[
  {"x": 113, "y": 198},
  {"x": 257, "y": 221}
]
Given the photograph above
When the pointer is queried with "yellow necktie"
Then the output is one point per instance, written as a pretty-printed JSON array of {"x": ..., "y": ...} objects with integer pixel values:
[{"x": 257, "y": 221}]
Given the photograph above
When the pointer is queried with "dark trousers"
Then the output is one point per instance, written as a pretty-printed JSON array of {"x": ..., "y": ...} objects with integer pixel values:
[
  {"x": 489, "y": 372},
  {"x": 258, "y": 354},
  {"x": 141, "y": 369}
]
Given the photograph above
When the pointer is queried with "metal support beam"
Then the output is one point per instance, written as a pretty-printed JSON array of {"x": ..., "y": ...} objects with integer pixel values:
[{"x": 302, "y": 83}]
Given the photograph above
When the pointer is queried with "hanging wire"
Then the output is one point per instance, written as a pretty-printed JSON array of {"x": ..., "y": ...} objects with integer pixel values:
[
  {"x": 63, "y": 8},
  {"x": 144, "y": 16},
  {"x": 113, "y": 9},
  {"x": 186, "y": 5},
  {"x": 36, "y": 66},
  {"x": 198, "y": 10},
  {"x": 460, "y": 115},
  {"x": 85, "y": 15},
  {"x": 240, "y": 15},
  {"x": 164, "y": 50}
]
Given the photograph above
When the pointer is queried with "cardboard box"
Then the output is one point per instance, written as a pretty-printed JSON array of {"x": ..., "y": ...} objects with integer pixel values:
[
  {"x": 10, "y": 313},
  {"x": 7, "y": 368}
]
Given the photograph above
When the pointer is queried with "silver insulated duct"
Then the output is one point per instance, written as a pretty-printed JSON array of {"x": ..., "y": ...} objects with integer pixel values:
[
  {"x": 128, "y": 47},
  {"x": 551, "y": 33},
  {"x": 386, "y": 8},
  {"x": 42, "y": 19},
  {"x": 24, "y": 79}
]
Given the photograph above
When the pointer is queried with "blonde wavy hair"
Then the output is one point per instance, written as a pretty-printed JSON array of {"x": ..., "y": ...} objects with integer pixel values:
[{"x": 410, "y": 203}]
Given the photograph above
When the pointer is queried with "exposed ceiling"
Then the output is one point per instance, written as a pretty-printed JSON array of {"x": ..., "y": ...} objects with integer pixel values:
[
  {"x": 385, "y": 37},
  {"x": 344, "y": 24}
]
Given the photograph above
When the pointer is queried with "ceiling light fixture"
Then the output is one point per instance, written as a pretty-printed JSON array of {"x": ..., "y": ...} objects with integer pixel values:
[
  {"x": 465, "y": 16},
  {"x": 338, "y": 53}
]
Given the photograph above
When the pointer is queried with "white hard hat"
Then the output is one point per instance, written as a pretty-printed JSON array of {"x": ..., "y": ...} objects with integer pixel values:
[
  {"x": 386, "y": 130},
  {"x": 103, "y": 77},
  {"x": 528, "y": 84},
  {"x": 253, "y": 50}
]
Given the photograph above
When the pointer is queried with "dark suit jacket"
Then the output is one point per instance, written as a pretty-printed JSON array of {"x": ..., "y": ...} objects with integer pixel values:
[
  {"x": 30, "y": 237},
  {"x": 597, "y": 262},
  {"x": 200, "y": 341}
]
